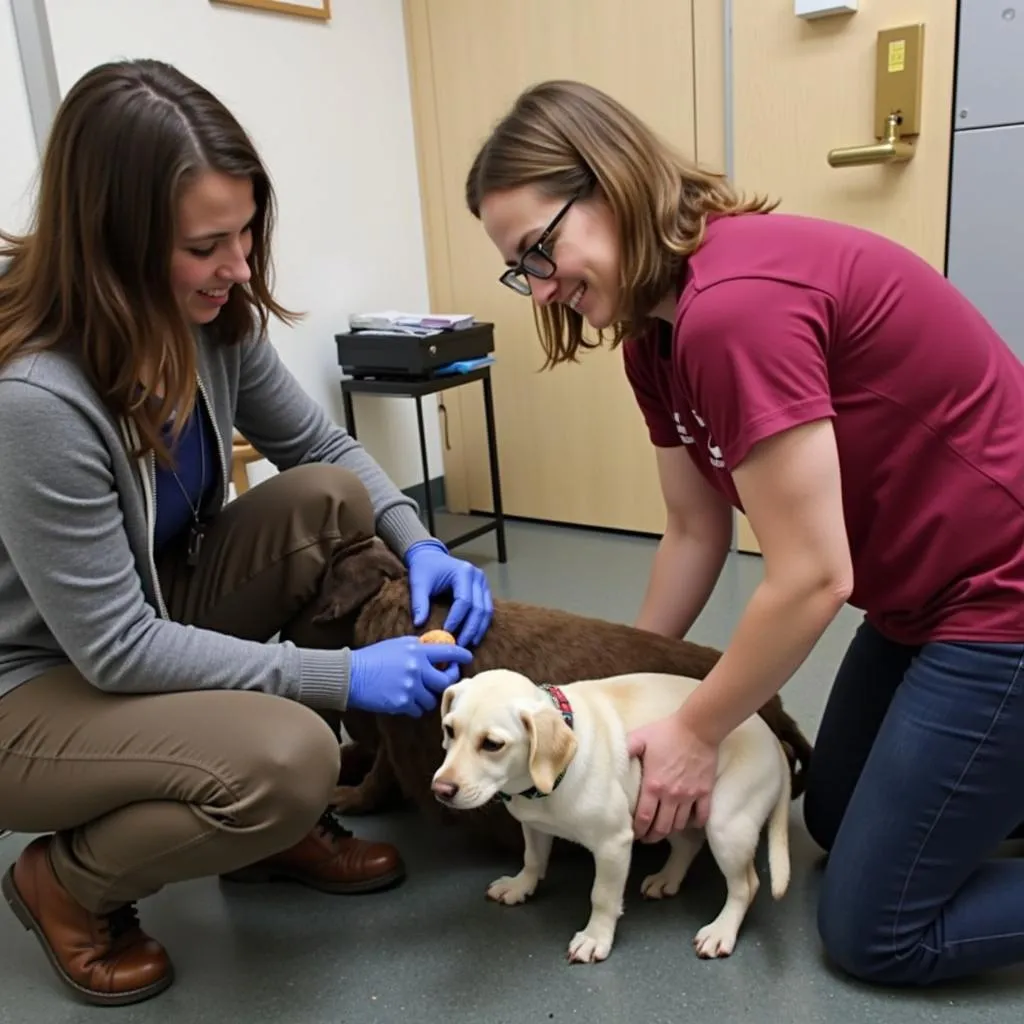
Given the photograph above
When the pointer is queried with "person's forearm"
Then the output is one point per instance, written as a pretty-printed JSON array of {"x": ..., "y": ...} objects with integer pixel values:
[
  {"x": 777, "y": 631},
  {"x": 683, "y": 574}
]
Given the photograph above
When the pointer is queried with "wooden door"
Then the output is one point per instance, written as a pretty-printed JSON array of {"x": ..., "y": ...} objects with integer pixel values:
[
  {"x": 572, "y": 444},
  {"x": 803, "y": 88}
]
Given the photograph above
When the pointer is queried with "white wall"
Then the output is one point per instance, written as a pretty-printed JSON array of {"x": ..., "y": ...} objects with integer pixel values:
[
  {"x": 328, "y": 106},
  {"x": 18, "y": 159}
]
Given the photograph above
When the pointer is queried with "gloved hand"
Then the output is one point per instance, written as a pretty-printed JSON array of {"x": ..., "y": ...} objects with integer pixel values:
[
  {"x": 399, "y": 676},
  {"x": 433, "y": 571}
]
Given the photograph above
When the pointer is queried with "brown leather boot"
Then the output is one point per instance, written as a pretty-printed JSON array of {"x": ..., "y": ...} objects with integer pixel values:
[
  {"x": 330, "y": 859},
  {"x": 105, "y": 959}
]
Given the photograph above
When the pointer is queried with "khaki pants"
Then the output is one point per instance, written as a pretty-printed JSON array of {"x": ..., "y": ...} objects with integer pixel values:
[{"x": 144, "y": 790}]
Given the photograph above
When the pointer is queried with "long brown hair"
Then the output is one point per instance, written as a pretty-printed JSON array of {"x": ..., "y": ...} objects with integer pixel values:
[
  {"x": 93, "y": 272},
  {"x": 565, "y": 136}
]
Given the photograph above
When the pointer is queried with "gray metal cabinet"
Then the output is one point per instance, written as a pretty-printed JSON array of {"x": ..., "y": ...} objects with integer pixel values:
[
  {"x": 986, "y": 217},
  {"x": 986, "y": 226},
  {"x": 990, "y": 64}
]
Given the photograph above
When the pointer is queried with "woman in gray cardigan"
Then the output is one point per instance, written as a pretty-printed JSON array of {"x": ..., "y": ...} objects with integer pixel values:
[{"x": 146, "y": 727}]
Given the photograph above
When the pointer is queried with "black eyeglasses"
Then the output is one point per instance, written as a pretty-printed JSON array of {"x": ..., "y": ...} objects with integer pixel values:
[{"x": 536, "y": 261}]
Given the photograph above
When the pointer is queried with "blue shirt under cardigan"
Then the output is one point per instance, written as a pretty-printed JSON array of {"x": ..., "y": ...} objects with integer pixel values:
[{"x": 173, "y": 515}]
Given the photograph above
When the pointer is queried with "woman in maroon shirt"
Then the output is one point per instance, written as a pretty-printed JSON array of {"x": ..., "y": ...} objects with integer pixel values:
[{"x": 870, "y": 424}]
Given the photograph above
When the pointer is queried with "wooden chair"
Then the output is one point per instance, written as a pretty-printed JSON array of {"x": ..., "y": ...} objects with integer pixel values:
[{"x": 242, "y": 453}]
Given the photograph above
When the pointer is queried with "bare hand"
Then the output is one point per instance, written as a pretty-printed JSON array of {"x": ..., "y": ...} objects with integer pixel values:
[{"x": 677, "y": 776}]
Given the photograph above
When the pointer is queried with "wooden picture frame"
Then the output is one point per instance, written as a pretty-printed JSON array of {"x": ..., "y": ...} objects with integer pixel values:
[{"x": 319, "y": 10}]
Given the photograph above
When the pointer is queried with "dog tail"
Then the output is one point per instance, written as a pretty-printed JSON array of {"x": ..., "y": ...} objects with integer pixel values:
[{"x": 778, "y": 834}]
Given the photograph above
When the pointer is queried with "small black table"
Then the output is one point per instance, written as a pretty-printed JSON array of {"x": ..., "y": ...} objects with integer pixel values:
[{"x": 416, "y": 388}]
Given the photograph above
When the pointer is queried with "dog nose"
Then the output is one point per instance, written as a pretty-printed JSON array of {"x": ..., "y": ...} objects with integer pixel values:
[{"x": 444, "y": 790}]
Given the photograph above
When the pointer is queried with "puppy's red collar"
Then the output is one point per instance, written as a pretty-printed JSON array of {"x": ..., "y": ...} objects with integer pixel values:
[{"x": 559, "y": 699}]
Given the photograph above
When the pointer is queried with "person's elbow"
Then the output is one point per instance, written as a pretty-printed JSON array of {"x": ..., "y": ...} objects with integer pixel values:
[
  {"x": 824, "y": 583},
  {"x": 115, "y": 662},
  {"x": 110, "y": 670},
  {"x": 809, "y": 565},
  {"x": 832, "y": 577},
  {"x": 833, "y": 593},
  {"x": 840, "y": 586}
]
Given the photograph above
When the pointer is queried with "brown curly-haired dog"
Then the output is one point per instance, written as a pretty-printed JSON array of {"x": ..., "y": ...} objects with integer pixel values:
[{"x": 365, "y": 598}]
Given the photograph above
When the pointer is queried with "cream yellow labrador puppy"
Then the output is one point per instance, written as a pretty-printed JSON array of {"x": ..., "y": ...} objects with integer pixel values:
[{"x": 558, "y": 758}]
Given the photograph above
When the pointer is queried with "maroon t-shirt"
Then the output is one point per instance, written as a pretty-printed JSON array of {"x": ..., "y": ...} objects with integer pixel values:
[{"x": 784, "y": 320}]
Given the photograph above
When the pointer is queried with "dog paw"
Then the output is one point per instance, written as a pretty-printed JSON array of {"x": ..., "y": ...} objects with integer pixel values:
[
  {"x": 355, "y": 800},
  {"x": 714, "y": 940},
  {"x": 510, "y": 890},
  {"x": 587, "y": 948},
  {"x": 660, "y": 885}
]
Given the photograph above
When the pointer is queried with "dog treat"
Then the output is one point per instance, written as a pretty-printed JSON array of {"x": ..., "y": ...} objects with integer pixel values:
[{"x": 437, "y": 636}]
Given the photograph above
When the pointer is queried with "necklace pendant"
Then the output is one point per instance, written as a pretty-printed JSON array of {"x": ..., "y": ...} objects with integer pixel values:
[{"x": 195, "y": 543}]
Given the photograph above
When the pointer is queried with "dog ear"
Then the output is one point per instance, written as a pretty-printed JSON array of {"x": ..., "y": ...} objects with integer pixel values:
[
  {"x": 447, "y": 698},
  {"x": 552, "y": 746},
  {"x": 355, "y": 576}
]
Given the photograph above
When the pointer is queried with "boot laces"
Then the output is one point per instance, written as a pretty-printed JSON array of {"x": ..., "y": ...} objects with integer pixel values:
[
  {"x": 122, "y": 921},
  {"x": 330, "y": 823}
]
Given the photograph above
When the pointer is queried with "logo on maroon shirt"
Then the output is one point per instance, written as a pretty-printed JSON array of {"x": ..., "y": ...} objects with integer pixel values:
[
  {"x": 684, "y": 435},
  {"x": 714, "y": 452}
]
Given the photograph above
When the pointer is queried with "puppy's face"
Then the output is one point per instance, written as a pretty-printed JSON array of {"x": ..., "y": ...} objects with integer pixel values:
[{"x": 500, "y": 733}]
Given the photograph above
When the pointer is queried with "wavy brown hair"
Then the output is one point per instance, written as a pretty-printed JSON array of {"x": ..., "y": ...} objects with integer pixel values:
[
  {"x": 562, "y": 137},
  {"x": 92, "y": 274}
]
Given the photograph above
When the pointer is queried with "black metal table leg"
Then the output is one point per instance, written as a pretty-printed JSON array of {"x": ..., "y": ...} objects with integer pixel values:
[
  {"x": 492, "y": 457},
  {"x": 418, "y": 388},
  {"x": 427, "y": 497},
  {"x": 350, "y": 412}
]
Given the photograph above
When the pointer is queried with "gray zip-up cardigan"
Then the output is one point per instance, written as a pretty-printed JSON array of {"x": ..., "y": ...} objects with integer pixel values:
[{"x": 78, "y": 581}]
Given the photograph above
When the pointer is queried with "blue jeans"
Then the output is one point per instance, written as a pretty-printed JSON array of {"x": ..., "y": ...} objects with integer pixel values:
[{"x": 917, "y": 776}]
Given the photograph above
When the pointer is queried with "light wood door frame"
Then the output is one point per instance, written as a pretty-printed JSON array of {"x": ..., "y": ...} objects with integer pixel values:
[{"x": 713, "y": 99}]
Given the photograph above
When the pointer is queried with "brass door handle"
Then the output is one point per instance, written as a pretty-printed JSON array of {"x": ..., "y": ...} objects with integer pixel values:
[
  {"x": 899, "y": 60},
  {"x": 892, "y": 149}
]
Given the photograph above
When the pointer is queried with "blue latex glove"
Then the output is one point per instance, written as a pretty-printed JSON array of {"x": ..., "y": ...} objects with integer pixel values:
[
  {"x": 433, "y": 571},
  {"x": 399, "y": 676}
]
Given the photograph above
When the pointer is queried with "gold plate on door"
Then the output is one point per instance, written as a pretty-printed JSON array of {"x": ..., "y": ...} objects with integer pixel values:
[{"x": 898, "y": 79}]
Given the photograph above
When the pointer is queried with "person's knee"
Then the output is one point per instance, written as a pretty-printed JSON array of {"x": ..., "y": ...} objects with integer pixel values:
[
  {"x": 860, "y": 940},
  {"x": 845, "y": 941},
  {"x": 332, "y": 494},
  {"x": 292, "y": 770}
]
